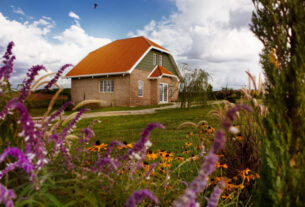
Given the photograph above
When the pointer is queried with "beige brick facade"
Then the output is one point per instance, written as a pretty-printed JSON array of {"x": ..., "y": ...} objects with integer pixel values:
[{"x": 125, "y": 89}]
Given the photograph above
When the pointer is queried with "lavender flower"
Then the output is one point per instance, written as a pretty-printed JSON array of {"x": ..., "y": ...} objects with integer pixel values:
[
  {"x": 106, "y": 161},
  {"x": 58, "y": 112},
  {"x": 58, "y": 74},
  {"x": 8, "y": 108},
  {"x": 138, "y": 196},
  {"x": 33, "y": 137},
  {"x": 6, "y": 196},
  {"x": 87, "y": 134},
  {"x": 32, "y": 72},
  {"x": 151, "y": 169},
  {"x": 111, "y": 146},
  {"x": 213, "y": 200},
  {"x": 7, "y": 69},
  {"x": 219, "y": 141},
  {"x": 66, "y": 130},
  {"x": 144, "y": 142},
  {"x": 22, "y": 161}
]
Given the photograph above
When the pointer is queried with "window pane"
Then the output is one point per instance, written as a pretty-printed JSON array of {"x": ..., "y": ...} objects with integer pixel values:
[
  {"x": 161, "y": 92},
  {"x": 101, "y": 86},
  {"x": 112, "y": 85},
  {"x": 154, "y": 59},
  {"x": 160, "y": 60},
  {"x": 165, "y": 92}
]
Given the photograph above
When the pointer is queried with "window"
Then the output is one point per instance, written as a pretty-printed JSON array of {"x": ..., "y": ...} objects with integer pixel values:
[
  {"x": 140, "y": 88},
  {"x": 154, "y": 59},
  {"x": 106, "y": 86},
  {"x": 160, "y": 60}
]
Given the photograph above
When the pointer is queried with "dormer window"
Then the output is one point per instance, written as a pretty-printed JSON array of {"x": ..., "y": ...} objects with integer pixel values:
[
  {"x": 140, "y": 88},
  {"x": 160, "y": 60},
  {"x": 154, "y": 59}
]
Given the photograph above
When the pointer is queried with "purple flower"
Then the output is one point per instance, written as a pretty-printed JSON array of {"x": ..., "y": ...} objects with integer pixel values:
[
  {"x": 141, "y": 145},
  {"x": 6, "y": 196},
  {"x": 88, "y": 132},
  {"x": 7, "y": 69},
  {"x": 219, "y": 140},
  {"x": 32, "y": 72},
  {"x": 107, "y": 161},
  {"x": 111, "y": 146},
  {"x": 66, "y": 130},
  {"x": 58, "y": 74},
  {"x": 8, "y": 52},
  {"x": 213, "y": 200},
  {"x": 33, "y": 137},
  {"x": 8, "y": 108},
  {"x": 22, "y": 161},
  {"x": 151, "y": 168},
  {"x": 138, "y": 196},
  {"x": 58, "y": 112}
]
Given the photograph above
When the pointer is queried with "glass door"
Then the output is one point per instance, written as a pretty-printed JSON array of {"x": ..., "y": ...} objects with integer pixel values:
[{"x": 163, "y": 92}]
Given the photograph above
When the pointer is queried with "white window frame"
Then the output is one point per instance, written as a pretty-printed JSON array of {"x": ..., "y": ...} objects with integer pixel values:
[
  {"x": 162, "y": 93},
  {"x": 160, "y": 60},
  {"x": 154, "y": 59},
  {"x": 140, "y": 88},
  {"x": 106, "y": 86}
]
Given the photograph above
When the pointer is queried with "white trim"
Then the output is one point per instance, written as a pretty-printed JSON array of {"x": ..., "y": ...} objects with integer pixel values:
[
  {"x": 163, "y": 74},
  {"x": 141, "y": 58},
  {"x": 94, "y": 75},
  {"x": 152, "y": 71}
]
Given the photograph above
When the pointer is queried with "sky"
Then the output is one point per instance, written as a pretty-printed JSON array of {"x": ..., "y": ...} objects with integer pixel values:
[{"x": 212, "y": 35}]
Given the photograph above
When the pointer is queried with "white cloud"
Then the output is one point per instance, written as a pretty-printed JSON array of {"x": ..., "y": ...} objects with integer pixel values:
[
  {"x": 32, "y": 45},
  {"x": 17, "y": 10},
  {"x": 73, "y": 15},
  {"x": 210, "y": 34}
]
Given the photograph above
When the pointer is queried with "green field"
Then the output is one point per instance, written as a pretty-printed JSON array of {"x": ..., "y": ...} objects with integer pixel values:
[{"x": 129, "y": 128}]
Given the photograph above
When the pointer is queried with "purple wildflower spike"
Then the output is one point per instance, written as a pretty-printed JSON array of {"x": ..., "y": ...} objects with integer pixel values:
[
  {"x": 151, "y": 168},
  {"x": 33, "y": 137},
  {"x": 88, "y": 132},
  {"x": 138, "y": 196},
  {"x": 213, "y": 200},
  {"x": 66, "y": 130},
  {"x": 58, "y": 74},
  {"x": 112, "y": 145},
  {"x": 32, "y": 72},
  {"x": 144, "y": 140},
  {"x": 7, "y": 69},
  {"x": 6, "y": 196},
  {"x": 8, "y": 52},
  {"x": 103, "y": 162},
  {"x": 22, "y": 161},
  {"x": 8, "y": 108},
  {"x": 58, "y": 112},
  {"x": 219, "y": 140}
]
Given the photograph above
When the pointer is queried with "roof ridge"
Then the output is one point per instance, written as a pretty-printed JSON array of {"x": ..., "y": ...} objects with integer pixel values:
[{"x": 146, "y": 40}]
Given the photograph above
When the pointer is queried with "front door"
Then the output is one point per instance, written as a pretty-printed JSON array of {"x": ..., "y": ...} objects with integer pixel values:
[{"x": 163, "y": 92}]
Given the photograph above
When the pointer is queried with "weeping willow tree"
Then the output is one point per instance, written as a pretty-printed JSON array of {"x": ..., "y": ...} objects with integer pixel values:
[
  {"x": 280, "y": 26},
  {"x": 193, "y": 88}
]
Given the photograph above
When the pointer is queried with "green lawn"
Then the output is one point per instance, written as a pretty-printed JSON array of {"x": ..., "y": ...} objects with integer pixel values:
[{"x": 129, "y": 128}]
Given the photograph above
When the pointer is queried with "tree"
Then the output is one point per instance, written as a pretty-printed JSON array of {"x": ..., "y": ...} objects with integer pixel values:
[
  {"x": 193, "y": 87},
  {"x": 280, "y": 26}
]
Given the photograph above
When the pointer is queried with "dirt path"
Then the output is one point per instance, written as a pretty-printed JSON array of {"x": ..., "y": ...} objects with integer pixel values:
[{"x": 129, "y": 112}]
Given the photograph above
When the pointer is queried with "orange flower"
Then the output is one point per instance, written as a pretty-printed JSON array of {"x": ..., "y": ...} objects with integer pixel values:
[
  {"x": 97, "y": 148},
  {"x": 188, "y": 144}
]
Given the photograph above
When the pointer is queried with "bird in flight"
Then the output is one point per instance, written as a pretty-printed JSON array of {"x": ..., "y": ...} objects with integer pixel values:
[{"x": 95, "y": 5}]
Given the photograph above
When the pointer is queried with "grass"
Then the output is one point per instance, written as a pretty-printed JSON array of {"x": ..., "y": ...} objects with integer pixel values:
[{"x": 129, "y": 128}]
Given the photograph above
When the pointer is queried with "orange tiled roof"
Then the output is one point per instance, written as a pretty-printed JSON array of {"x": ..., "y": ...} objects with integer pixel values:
[
  {"x": 160, "y": 71},
  {"x": 116, "y": 57}
]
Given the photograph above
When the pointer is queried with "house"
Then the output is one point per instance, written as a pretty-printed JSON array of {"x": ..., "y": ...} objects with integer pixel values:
[{"x": 127, "y": 72}]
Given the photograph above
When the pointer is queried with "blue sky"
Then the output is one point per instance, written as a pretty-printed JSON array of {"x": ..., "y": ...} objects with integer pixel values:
[{"x": 210, "y": 34}]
